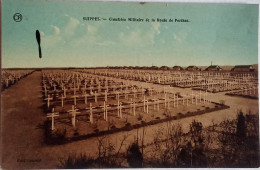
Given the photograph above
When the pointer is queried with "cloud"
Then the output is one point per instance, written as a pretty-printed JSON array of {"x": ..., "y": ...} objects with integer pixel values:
[
  {"x": 51, "y": 39},
  {"x": 141, "y": 38},
  {"x": 156, "y": 27},
  {"x": 180, "y": 36},
  {"x": 60, "y": 35},
  {"x": 56, "y": 30},
  {"x": 88, "y": 34},
  {"x": 70, "y": 28},
  {"x": 91, "y": 37},
  {"x": 134, "y": 37},
  {"x": 91, "y": 30},
  {"x": 42, "y": 33}
]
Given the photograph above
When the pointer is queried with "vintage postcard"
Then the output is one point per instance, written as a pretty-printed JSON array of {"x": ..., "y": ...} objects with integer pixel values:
[{"x": 129, "y": 85}]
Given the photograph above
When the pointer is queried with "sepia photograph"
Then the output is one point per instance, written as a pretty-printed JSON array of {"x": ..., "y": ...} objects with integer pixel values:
[{"x": 93, "y": 85}]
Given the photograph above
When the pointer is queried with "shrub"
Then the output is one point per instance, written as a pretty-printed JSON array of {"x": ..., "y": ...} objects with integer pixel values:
[
  {"x": 241, "y": 126},
  {"x": 76, "y": 162},
  {"x": 140, "y": 117},
  {"x": 134, "y": 156},
  {"x": 113, "y": 127},
  {"x": 127, "y": 124}
]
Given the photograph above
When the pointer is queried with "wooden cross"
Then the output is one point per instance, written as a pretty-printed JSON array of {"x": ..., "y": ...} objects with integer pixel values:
[
  {"x": 90, "y": 113},
  {"x": 117, "y": 95},
  {"x": 200, "y": 96},
  {"x": 105, "y": 111},
  {"x": 134, "y": 104},
  {"x": 165, "y": 99},
  {"x": 119, "y": 109},
  {"x": 74, "y": 90},
  {"x": 54, "y": 85},
  {"x": 105, "y": 95},
  {"x": 64, "y": 90},
  {"x": 75, "y": 99},
  {"x": 125, "y": 94},
  {"x": 192, "y": 97},
  {"x": 196, "y": 98},
  {"x": 173, "y": 99},
  {"x": 48, "y": 100},
  {"x": 205, "y": 98},
  {"x": 134, "y": 91},
  {"x": 91, "y": 92},
  {"x": 73, "y": 113},
  {"x": 85, "y": 83},
  {"x": 147, "y": 106},
  {"x": 151, "y": 92},
  {"x": 52, "y": 115},
  {"x": 62, "y": 98},
  {"x": 99, "y": 87},
  {"x": 177, "y": 99},
  {"x": 144, "y": 103},
  {"x": 158, "y": 104},
  {"x": 85, "y": 95},
  {"x": 95, "y": 97}
]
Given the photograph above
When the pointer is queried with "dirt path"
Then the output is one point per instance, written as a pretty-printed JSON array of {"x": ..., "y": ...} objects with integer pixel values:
[
  {"x": 21, "y": 114},
  {"x": 23, "y": 145}
]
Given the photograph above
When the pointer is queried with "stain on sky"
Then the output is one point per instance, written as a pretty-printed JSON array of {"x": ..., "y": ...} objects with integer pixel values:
[{"x": 38, "y": 38}]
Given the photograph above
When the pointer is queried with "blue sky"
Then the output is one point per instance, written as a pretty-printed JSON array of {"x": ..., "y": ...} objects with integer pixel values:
[{"x": 226, "y": 34}]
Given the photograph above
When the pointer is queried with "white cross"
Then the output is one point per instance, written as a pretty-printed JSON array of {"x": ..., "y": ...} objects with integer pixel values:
[
  {"x": 64, "y": 90},
  {"x": 85, "y": 95},
  {"x": 73, "y": 113},
  {"x": 105, "y": 95},
  {"x": 52, "y": 115},
  {"x": 105, "y": 107},
  {"x": 119, "y": 108},
  {"x": 134, "y": 107},
  {"x": 54, "y": 85},
  {"x": 75, "y": 99},
  {"x": 62, "y": 97},
  {"x": 90, "y": 113},
  {"x": 48, "y": 100},
  {"x": 95, "y": 97}
]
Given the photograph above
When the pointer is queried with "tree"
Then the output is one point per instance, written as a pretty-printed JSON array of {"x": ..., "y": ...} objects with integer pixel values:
[
  {"x": 192, "y": 154},
  {"x": 134, "y": 156},
  {"x": 241, "y": 126}
]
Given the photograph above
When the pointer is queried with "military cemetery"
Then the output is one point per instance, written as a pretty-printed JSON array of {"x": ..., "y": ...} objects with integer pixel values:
[{"x": 95, "y": 85}]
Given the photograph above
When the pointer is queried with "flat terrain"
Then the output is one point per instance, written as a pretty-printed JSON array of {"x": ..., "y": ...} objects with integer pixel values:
[{"x": 23, "y": 138}]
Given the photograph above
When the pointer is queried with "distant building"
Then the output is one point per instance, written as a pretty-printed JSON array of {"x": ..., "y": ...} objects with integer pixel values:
[
  {"x": 164, "y": 68},
  {"x": 213, "y": 68},
  {"x": 154, "y": 68},
  {"x": 193, "y": 68},
  {"x": 243, "y": 68},
  {"x": 144, "y": 68},
  {"x": 177, "y": 68}
]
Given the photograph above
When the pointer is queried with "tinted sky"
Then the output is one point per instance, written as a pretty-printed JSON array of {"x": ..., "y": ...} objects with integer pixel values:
[{"x": 225, "y": 34}]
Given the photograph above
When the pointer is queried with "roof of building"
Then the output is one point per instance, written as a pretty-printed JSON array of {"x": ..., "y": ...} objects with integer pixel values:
[
  {"x": 176, "y": 67},
  {"x": 192, "y": 67},
  {"x": 213, "y": 66},
  {"x": 243, "y": 66}
]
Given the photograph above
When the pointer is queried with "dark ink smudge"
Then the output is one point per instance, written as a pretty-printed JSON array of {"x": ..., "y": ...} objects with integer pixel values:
[{"x": 38, "y": 38}]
